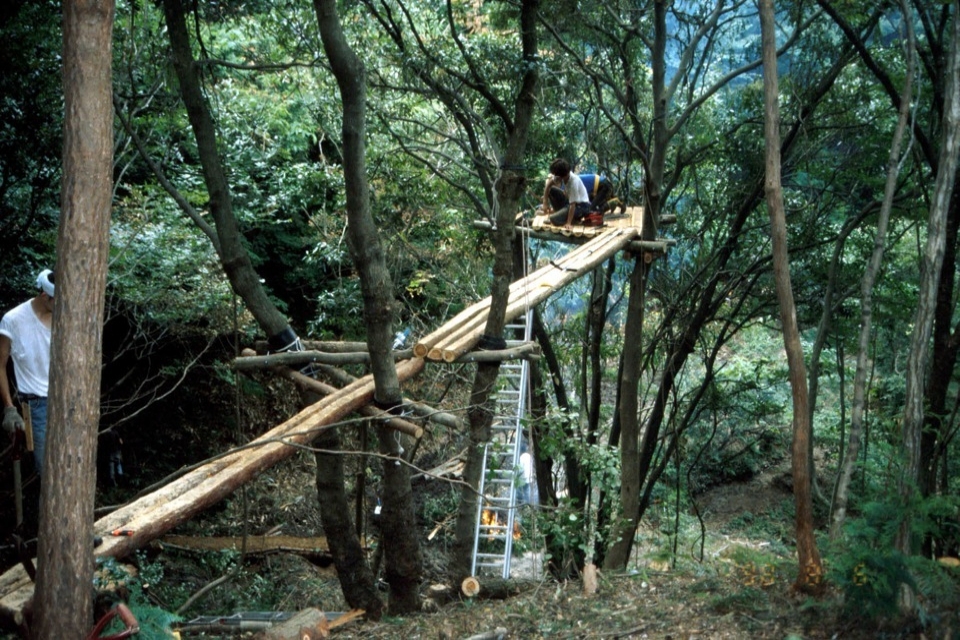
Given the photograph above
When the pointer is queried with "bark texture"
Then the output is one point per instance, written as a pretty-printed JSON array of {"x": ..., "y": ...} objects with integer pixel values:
[
  {"x": 356, "y": 578},
  {"x": 65, "y": 555},
  {"x": 403, "y": 557},
  {"x": 866, "y": 297},
  {"x": 628, "y": 412},
  {"x": 511, "y": 185},
  {"x": 233, "y": 256},
  {"x": 810, "y": 575},
  {"x": 933, "y": 255}
]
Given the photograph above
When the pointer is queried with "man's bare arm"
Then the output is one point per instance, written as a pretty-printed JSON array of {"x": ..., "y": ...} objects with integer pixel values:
[{"x": 5, "y": 396}]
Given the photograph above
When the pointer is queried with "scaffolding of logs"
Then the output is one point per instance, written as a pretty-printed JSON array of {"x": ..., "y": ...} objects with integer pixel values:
[{"x": 151, "y": 516}]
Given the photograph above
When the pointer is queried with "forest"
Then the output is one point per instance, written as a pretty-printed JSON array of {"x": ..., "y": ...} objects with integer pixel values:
[{"x": 744, "y": 422}]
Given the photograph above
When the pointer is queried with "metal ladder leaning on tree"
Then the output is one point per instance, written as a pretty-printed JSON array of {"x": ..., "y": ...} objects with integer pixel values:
[{"x": 497, "y": 508}]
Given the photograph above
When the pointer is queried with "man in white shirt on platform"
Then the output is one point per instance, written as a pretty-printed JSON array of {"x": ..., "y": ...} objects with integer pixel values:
[
  {"x": 25, "y": 337},
  {"x": 565, "y": 194}
]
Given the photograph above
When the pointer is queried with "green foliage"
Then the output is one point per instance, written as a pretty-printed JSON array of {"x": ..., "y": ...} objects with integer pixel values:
[
  {"x": 31, "y": 123},
  {"x": 871, "y": 573},
  {"x": 871, "y": 581},
  {"x": 165, "y": 270},
  {"x": 566, "y": 529},
  {"x": 441, "y": 507},
  {"x": 155, "y": 622}
]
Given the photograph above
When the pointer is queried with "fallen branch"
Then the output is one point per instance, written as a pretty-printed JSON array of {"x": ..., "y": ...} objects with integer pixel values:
[
  {"x": 314, "y": 549},
  {"x": 496, "y": 634},
  {"x": 301, "y": 358},
  {"x": 525, "y": 350}
]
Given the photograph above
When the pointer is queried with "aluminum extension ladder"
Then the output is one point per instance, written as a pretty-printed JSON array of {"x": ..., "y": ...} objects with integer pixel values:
[{"x": 497, "y": 507}]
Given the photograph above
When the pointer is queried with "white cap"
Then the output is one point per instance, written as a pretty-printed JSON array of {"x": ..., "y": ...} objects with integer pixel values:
[{"x": 43, "y": 282}]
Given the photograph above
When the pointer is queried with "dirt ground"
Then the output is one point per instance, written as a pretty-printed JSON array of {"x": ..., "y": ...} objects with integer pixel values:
[{"x": 742, "y": 588}]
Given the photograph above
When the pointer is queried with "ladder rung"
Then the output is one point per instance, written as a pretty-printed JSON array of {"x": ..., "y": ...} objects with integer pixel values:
[{"x": 498, "y": 537}]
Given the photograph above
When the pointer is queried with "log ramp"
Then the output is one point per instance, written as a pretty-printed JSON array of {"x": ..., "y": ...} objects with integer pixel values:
[{"x": 153, "y": 515}]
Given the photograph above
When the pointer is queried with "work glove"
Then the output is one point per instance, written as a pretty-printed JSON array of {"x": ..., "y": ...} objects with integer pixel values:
[{"x": 12, "y": 421}]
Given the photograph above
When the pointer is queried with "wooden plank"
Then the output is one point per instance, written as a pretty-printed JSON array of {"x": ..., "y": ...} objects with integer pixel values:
[
  {"x": 542, "y": 284},
  {"x": 462, "y": 333}
]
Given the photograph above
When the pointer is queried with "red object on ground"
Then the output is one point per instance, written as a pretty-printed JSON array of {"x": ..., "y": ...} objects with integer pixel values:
[{"x": 126, "y": 616}]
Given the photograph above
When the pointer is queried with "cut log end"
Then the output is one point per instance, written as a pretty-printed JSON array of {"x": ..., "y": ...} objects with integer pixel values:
[
  {"x": 470, "y": 586},
  {"x": 420, "y": 350}
]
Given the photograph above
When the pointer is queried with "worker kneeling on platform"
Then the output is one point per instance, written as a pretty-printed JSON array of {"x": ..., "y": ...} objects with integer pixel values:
[{"x": 573, "y": 198}]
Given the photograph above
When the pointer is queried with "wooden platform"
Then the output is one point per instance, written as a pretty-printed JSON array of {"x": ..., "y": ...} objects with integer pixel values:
[{"x": 632, "y": 217}]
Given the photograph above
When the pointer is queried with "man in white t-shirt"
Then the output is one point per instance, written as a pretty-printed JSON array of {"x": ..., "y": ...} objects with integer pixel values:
[
  {"x": 25, "y": 337},
  {"x": 564, "y": 195}
]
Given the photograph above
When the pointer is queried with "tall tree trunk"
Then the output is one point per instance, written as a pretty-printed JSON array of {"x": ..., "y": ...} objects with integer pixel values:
[
  {"x": 810, "y": 577},
  {"x": 631, "y": 467},
  {"x": 630, "y": 464},
  {"x": 823, "y": 332},
  {"x": 913, "y": 413},
  {"x": 402, "y": 554},
  {"x": 933, "y": 437},
  {"x": 708, "y": 304},
  {"x": 866, "y": 295},
  {"x": 356, "y": 579},
  {"x": 511, "y": 185},
  {"x": 65, "y": 554},
  {"x": 602, "y": 286},
  {"x": 233, "y": 255}
]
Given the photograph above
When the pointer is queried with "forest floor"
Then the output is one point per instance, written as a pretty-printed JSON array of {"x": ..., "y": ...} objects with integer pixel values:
[
  {"x": 727, "y": 574},
  {"x": 741, "y": 588}
]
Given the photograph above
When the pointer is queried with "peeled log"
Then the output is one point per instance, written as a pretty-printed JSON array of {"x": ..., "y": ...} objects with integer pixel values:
[
  {"x": 534, "y": 289},
  {"x": 490, "y": 588},
  {"x": 527, "y": 292}
]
